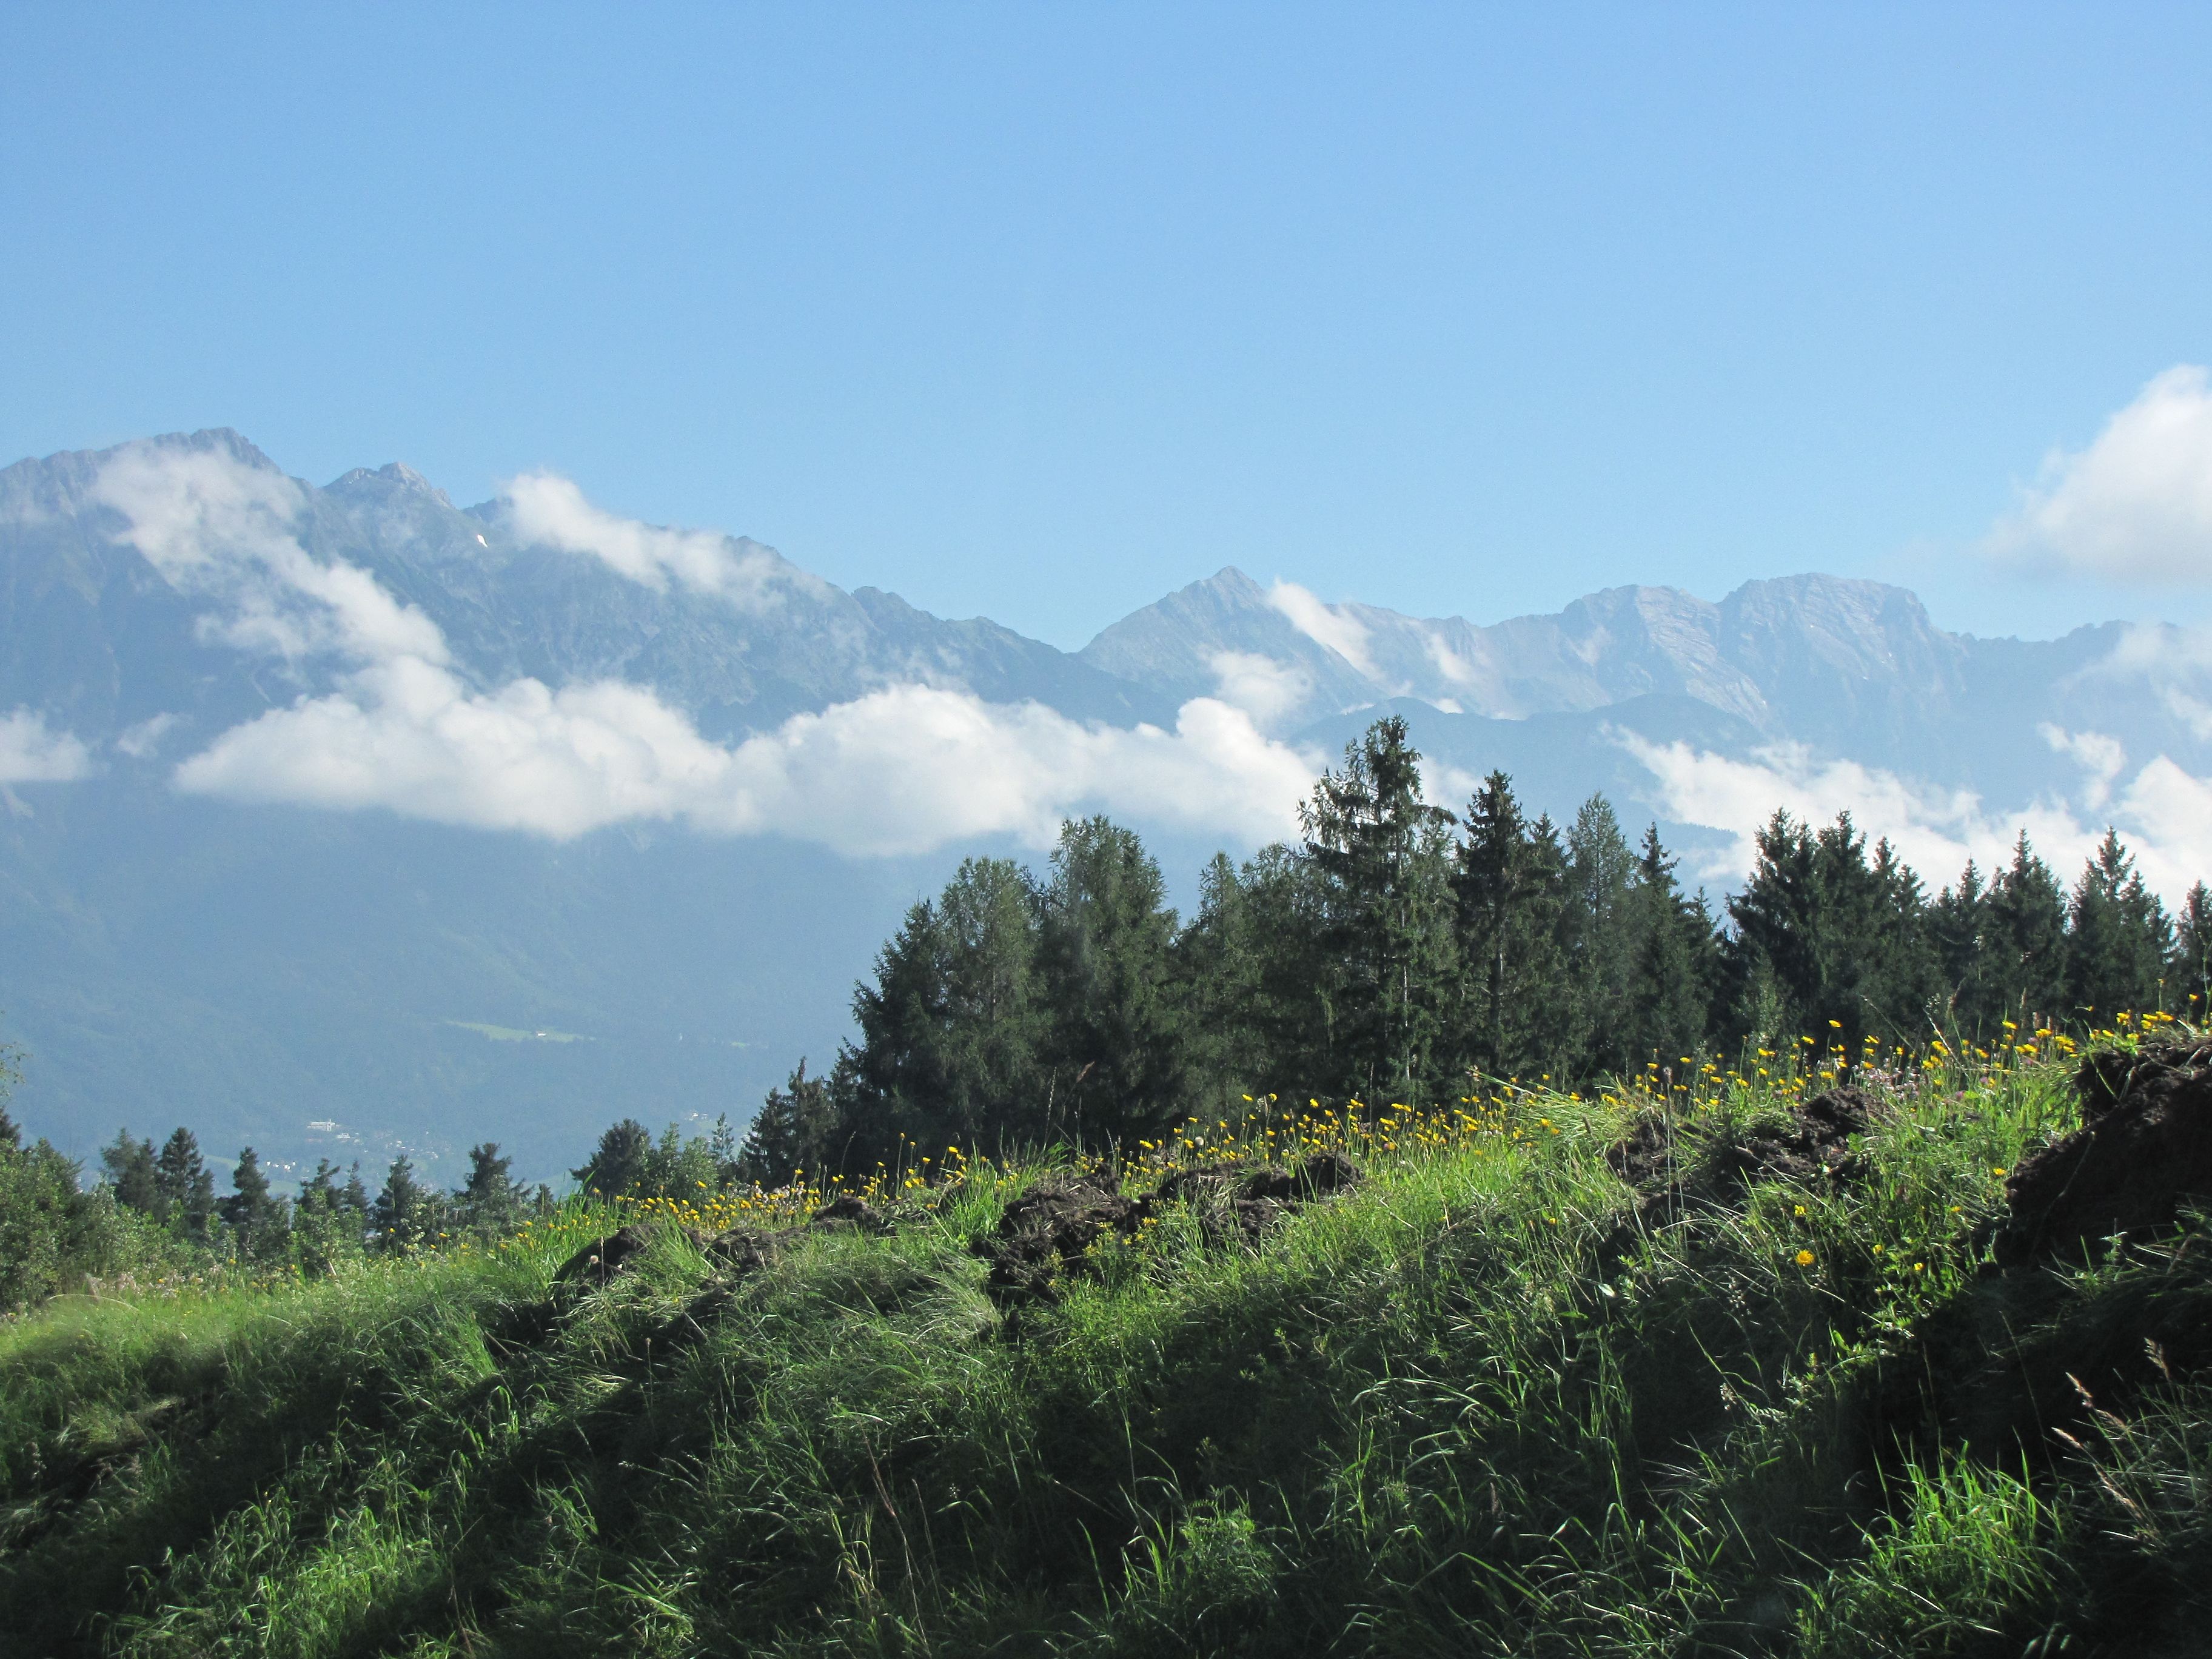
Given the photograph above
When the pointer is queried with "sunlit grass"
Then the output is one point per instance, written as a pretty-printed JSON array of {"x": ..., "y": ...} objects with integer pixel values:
[{"x": 1487, "y": 1401}]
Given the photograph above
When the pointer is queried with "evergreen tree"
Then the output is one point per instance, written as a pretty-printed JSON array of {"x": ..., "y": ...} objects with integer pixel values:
[
  {"x": 131, "y": 1172},
  {"x": 404, "y": 1213},
  {"x": 1674, "y": 964},
  {"x": 1510, "y": 886},
  {"x": 183, "y": 1187},
  {"x": 1255, "y": 976},
  {"x": 792, "y": 1133},
  {"x": 2190, "y": 974},
  {"x": 486, "y": 1198},
  {"x": 953, "y": 1032},
  {"x": 1825, "y": 939},
  {"x": 1381, "y": 855},
  {"x": 1598, "y": 938},
  {"x": 622, "y": 1164},
  {"x": 256, "y": 1217},
  {"x": 1958, "y": 923},
  {"x": 1119, "y": 1051},
  {"x": 2117, "y": 940},
  {"x": 327, "y": 1226},
  {"x": 2024, "y": 946},
  {"x": 354, "y": 1201}
]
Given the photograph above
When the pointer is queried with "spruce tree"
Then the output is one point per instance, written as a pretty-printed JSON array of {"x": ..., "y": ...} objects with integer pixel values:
[
  {"x": 2024, "y": 938},
  {"x": 1674, "y": 962},
  {"x": 1511, "y": 888},
  {"x": 403, "y": 1213},
  {"x": 621, "y": 1164},
  {"x": 257, "y": 1218},
  {"x": 2117, "y": 940},
  {"x": 2189, "y": 975},
  {"x": 183, "y": 1186},
  {"x": 1958, "y": 922},
  {"x": 1597, "y": 937},
  {"x": 953, "y": 1032},
  {"x": 131, "y": 1171},
  {"x": 486, "y": 1198},
  {"x": 1382, "y": 855},
  {"x": 792, "y": 1133},
  {"x": 1118, "y": 1052}
]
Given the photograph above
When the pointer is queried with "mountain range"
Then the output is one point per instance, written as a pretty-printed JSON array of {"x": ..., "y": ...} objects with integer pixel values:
[{"x": 345, "y": 821}]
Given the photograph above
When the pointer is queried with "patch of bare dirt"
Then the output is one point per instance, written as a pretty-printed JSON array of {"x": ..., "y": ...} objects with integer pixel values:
[
  {"x": 2144, "y": 1147},
  {"x": 1811, "y": 1146}
]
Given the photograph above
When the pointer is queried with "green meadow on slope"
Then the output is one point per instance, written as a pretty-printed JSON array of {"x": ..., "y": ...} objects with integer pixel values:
[{"x": 1734, "y": 1366}]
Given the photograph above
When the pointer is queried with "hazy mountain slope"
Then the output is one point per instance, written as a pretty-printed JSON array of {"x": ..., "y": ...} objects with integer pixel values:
[{"x": 257, "y": 970}]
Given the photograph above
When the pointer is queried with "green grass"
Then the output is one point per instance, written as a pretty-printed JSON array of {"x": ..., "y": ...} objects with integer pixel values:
[{"x": 1475, "y": 1405}]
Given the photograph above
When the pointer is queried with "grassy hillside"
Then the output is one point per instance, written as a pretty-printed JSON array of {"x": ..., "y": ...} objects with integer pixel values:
[{"x": 1700, "y": 1367}]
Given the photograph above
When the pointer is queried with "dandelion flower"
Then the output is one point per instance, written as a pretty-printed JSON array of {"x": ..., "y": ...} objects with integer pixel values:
[{"x": 1804, "y": 1258}]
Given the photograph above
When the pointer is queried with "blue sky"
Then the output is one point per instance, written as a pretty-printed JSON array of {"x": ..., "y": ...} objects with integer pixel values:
[{"x": 1039, "y": 312}]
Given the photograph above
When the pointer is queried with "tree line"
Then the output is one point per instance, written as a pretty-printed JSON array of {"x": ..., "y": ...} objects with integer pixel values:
[
  {"x": 1399, "y": 949},
  {"x": 1393, "y": 952}
]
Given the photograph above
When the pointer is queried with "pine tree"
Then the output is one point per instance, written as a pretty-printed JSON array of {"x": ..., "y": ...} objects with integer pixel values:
[
  {"x": 1381, "y": 855},
  {"x": 1511, "y": 895},
  {"x": 486, "y": 1198},
  {"x": 792, "y": 1133},
  {"x": 254, "y": 1215},
  {"x": 1958, "y": 923},
  {"x": 2024, "y": 943},
  {"x": 953, "y": 1032},
  {"x": 1597, "y": 938},
  {"x": 1674, "y": 964},
  {"x": 1256, "y": 976},
  {"x": 131, "y": 1171},
  {"x": 404, "y": 1210},
  {"x": 183, "y": 1186},
  {"x": 2189, "y": 975},
  {"x": 1118, "y": 1052},
  {"x": 621, "y": 1164},
  {"x": 2117, "y": 939}
]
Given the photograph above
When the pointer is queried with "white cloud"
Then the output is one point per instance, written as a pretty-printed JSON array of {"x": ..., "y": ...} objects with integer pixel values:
[
  {"x": 901, "y": 770},
  {"x": 2136, "y": 504},
  {"x": 2164, "y": 815},
  {"x": 2102, "y": 757},
  {"x": 30, "y": 752},
  {"x": 1263, "y": 688},
  {"x": 904, "y": 769},
  {"x": 220, "y": 528},
  {"x": 140, "y": 740},
  {"x": 550, "y": 510},
  {"x": 1326, "y": 625}
]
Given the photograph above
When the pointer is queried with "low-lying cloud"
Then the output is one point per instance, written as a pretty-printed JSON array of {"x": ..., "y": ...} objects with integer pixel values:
[
  {"x": 2163, "y": 813},
  {"x": 548, "y": 510},
  {"x": 1327, "y": 625},
  {"x": 902, "y": 770},
  {"x": 30, "y": 751},
  {"x": 2136, "y": 504}
]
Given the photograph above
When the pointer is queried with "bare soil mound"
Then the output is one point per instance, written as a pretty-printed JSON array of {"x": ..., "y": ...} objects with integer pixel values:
[
  {"x": 1047, "y": 1231},
  {"x": 2145, "y": 1145},
  {"x": 1811, "y": 1144}
]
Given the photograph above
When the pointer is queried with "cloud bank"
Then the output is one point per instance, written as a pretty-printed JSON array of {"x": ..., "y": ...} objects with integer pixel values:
[
  {"x": 2136, "y": 504},
  {"x": 31, "y": 752},
  {"x": 2163, "y": 813},
  {"x": 902, "y": 770}
]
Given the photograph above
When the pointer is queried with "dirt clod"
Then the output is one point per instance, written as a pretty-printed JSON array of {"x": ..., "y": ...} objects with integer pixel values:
[
  {"x": 602, "y": 1259},
  {"x": 1046, "y": 1230},
  {"x": 2145, "y": 1145},
  {"x": 1810, "y": 1145}
]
